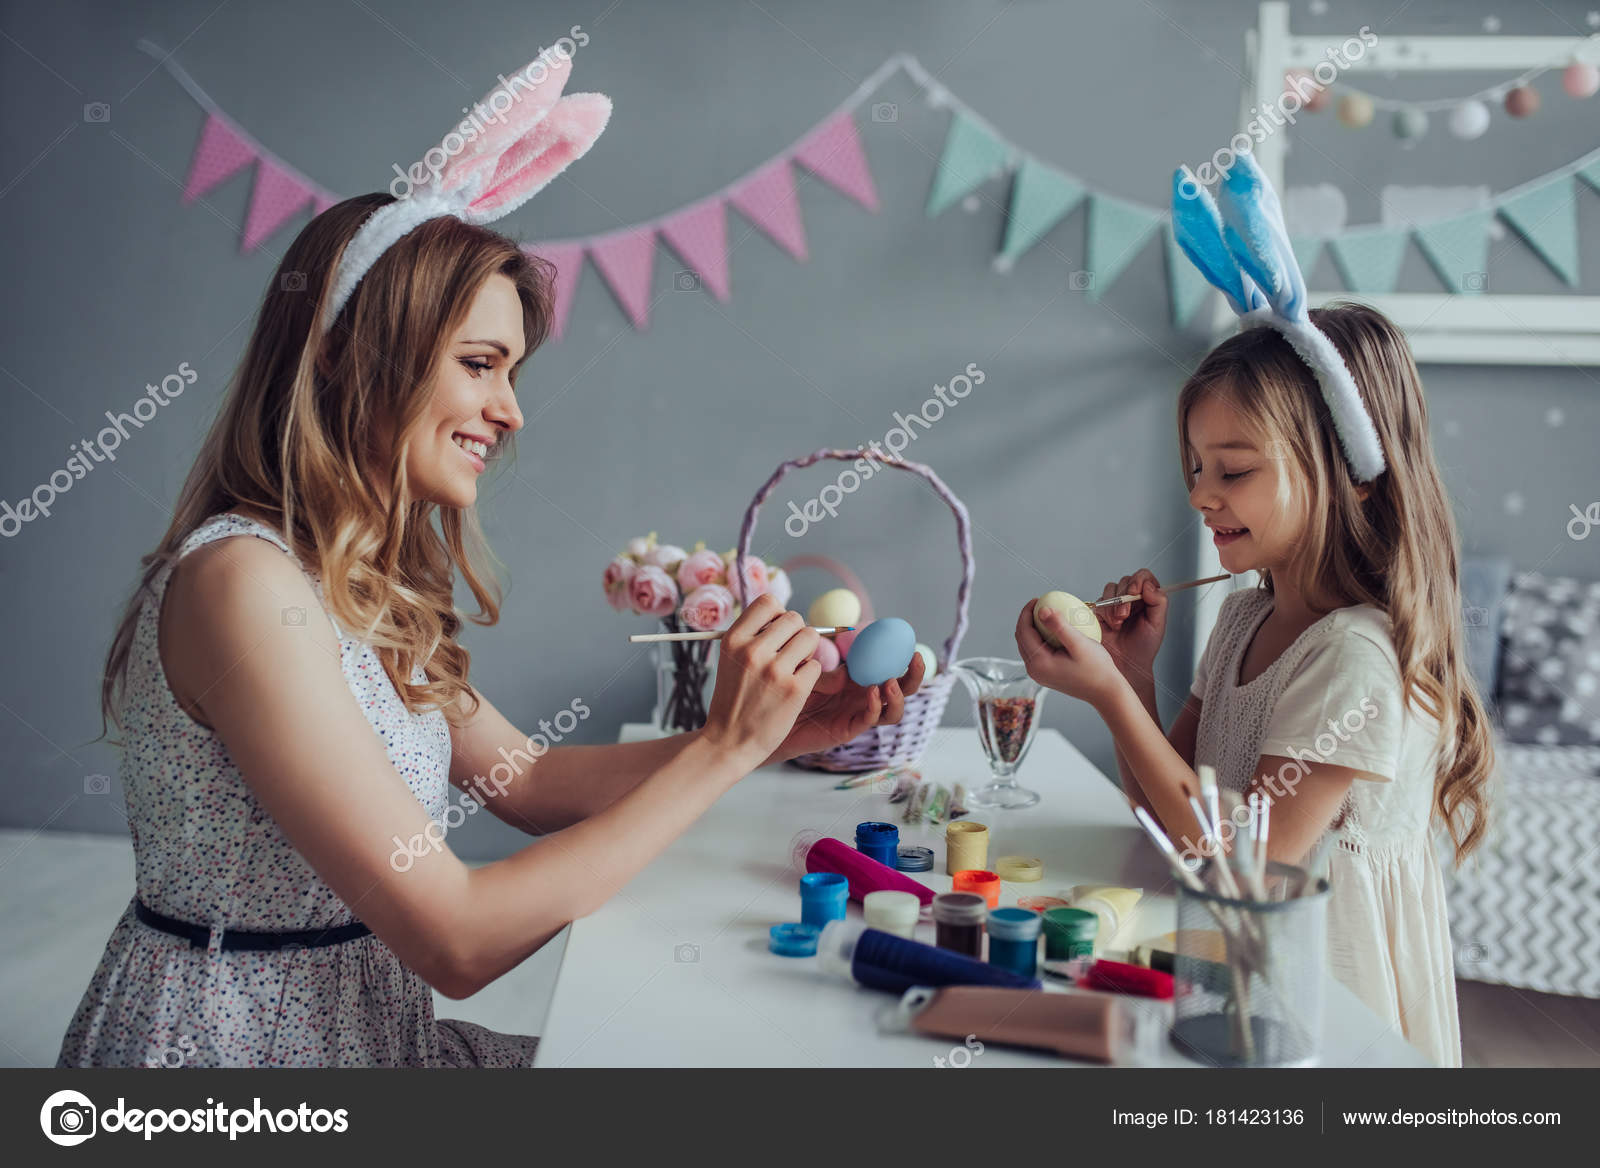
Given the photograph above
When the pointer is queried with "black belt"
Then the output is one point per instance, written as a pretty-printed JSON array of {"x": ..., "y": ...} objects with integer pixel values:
[{"x": 200, "y": 936}]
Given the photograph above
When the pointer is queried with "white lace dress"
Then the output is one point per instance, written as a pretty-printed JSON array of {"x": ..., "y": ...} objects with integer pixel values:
[
  {"x": 1388, "y": 931},
  {"x": 206, "y": 852}
]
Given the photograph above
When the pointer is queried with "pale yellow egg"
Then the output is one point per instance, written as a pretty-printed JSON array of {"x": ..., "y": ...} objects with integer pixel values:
[
  {"x": 930, "y": 661},
  {"x": 1072, "y": 610},
  {"x": 838, "y": 606}
]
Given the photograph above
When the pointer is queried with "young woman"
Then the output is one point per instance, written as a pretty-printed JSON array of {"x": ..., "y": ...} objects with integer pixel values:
[{"x": 295, "y": 705}]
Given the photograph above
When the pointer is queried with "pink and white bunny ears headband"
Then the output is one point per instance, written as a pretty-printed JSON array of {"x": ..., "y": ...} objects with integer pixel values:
[
  {"x": 519, "y": 137},
  {"x": 1244, "y": 253}
]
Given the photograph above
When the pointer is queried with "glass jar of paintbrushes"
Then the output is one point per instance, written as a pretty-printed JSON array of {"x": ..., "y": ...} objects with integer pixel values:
[{"x": 1250, "y": 964}]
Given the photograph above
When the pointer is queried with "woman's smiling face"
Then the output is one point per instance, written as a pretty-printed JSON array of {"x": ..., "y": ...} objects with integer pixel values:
[
  {"x": 1242, "y": 492},
  {"x": 473, "y": 407}
]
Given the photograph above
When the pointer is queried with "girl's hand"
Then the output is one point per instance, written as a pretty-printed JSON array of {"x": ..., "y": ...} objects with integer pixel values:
[
  {"x": 1131, "y": 633},
  {"x": 1082, "y": 669},
  {"x": 839, "y": 709},
  {"x": 765, "y": 673}
]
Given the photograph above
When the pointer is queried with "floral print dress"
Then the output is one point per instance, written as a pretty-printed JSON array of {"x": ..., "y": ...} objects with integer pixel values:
[{"x": 206, "y": 852}]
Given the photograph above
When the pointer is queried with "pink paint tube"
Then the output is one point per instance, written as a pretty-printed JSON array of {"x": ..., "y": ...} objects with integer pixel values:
[{"x": 865, "y": 875}]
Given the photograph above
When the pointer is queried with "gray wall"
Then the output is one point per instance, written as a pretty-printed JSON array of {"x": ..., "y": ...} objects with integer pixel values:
[{"x": 1065, "y": 455}]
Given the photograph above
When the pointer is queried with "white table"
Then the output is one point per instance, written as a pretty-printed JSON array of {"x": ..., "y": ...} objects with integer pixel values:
[{"x": 675, "y": 970}]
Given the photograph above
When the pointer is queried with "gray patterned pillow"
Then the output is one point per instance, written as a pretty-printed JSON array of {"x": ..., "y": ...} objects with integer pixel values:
[{"x": 1550, "y": 665}]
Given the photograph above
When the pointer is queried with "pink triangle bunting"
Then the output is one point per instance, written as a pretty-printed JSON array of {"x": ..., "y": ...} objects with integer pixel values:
[
  {"x": 699, "y": 234},
  {"x": 221, "y": 154},
  {"x": 278, "y": 195},
  {"x": 833, "y": 153},
  {"x": 568, "y": 261},
  {"x": 626, "y": 261},
  {"x": 767, "y": 199}
]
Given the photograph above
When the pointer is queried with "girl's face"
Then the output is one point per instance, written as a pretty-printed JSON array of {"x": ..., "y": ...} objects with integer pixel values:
[
  {"x": 1240, "y": 489},
  {"x": 473, "y": 407}
]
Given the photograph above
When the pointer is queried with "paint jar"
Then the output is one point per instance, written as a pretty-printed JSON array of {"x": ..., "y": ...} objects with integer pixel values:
[
  {"x": 1019, "y": 869},
  {"x": 1069, "y": 933},
  {"x": 893, "y": 912},
  {"x": 958, "y": 922},
  {"x": 878, "y": 841},
  {"x": 913, "y": 858},
  {"x": 793, "y": 940},
  {"x": 1114, "y": 906},
  {"x": 966, "y": 845},
  {"x": 985, "y": 884},
  {"x": 822, "y": 897},
  {"x": 1014, "y": 940},
  {"x": 883, "y": 961},
  {"x": 1041, "y": 904}
]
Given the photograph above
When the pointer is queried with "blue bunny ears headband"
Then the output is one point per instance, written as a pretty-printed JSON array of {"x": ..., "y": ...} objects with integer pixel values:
[{"x": 1243, "y": 251}]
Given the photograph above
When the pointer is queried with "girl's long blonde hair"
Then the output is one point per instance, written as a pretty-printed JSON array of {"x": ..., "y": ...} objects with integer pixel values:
[
  {"x": 1398, "y": 550},
  {"x": 314, "y": 430}
]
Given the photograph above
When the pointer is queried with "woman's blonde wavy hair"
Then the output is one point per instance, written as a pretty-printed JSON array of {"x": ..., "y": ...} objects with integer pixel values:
[
  {"x": 1398, "y": 550},
  {"x": 311, "y": 425}
]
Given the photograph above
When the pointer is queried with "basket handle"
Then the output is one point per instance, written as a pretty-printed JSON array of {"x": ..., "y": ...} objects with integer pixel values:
[{"x": 963, "y": 529}]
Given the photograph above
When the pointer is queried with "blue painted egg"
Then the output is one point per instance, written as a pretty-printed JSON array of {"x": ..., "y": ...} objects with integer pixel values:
[{"x": 881, "y": 652}]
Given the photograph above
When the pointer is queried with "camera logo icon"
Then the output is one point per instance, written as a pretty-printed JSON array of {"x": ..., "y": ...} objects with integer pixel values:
[
  {"x": 1475, "y": 282},
  {"x": 686, "y": 281},
  {"x": 885, "y": 111},
  {"x": 68, "y": 1118},
  {"x": 294, "y": 616},
  {"x": 97, "y": 111},
  {"x": 686, "y": 954},
  {"x": 97, "y": 784},
  {"x": 1081, "y": 281},
  {"x": 292, "y": 282}
]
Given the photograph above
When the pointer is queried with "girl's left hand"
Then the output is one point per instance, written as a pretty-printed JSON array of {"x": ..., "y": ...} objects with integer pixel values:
[
  {"x": 839, "y": 710},
  {"x": 1082, "y": 669}
]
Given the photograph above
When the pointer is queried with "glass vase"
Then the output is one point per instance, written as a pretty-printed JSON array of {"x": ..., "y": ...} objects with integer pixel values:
[{"x": 686, "y": 673}]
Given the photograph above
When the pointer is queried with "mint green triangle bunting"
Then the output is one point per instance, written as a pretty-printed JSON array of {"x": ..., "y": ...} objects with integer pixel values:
[
  {"x": 1369, "y": 260},
  {"x": 971, "y": 155},
  {"x": 1547, "y": 219},
  {"x": 1307, "y": 251},
  {"x": 1117, "y": 229},
  {"x": 1458, "y": 249},
  {"x": 1591, "y": 174},
  {"x": 1040, "y": 198},
  {"x": 1186, "y": 286}
]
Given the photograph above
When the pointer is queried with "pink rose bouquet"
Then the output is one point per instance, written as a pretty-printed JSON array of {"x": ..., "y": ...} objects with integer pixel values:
[{"x": 709, "y": 607}]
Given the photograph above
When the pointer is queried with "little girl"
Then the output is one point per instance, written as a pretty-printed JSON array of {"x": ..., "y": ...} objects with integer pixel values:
[
  {"x": 1339, "y": 686},
  {"x": 295, "y": 703}
]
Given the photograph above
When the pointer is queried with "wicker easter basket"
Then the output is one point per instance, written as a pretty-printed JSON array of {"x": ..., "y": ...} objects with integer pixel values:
[{"x": 904, "y": 742}]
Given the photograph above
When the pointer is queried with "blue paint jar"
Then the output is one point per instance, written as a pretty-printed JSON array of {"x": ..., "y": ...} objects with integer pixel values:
[
  {"x": 1014, "y": 940},
  {"x": 878, "y": 841},
  {"x": 822, "y": 897}
]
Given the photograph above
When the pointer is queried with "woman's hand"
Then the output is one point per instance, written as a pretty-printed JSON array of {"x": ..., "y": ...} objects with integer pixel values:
[
  {"x": 765, "y": 673},
  {"x": 1131, "y": 633},
  {"x": 1081, "y": 669},
  {"x": 839, "y": 709}
]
